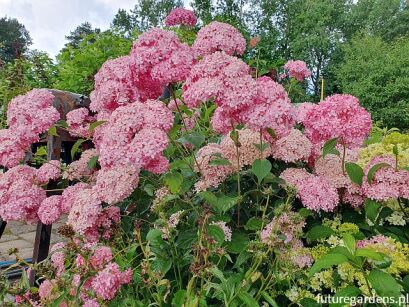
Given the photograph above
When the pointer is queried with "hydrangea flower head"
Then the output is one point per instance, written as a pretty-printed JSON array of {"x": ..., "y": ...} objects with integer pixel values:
[
  {"x": 297, "y": 69},
  {"x": 219, "y": 36},
  {"x": 338, "y": 116},
  {"x": 181, "y": 16}
]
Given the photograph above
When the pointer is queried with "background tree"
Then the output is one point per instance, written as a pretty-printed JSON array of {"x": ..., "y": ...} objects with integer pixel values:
[
  {"x": 378, "y": 73},
  {"x": 14, "y": 39},
  {"x": 77, "y": 66},
  {"x": 79, "y": 34}
]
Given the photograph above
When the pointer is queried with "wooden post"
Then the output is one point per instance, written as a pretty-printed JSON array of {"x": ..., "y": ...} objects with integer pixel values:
[
  {"x": 43, "y": 234},
  {"x": 2, "y": 227}
]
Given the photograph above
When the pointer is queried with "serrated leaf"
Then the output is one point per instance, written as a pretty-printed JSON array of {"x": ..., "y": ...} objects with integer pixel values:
[
  {"x": 261, "y": 168},
  {"x": 374, "y": 169},
  {"x": 96, "y": 124},
  {"x": 319, "y": 232},
  {"x": 355, "y": 172},
  {"x": 75, "y": 147},
  {"x": 174, "y": 181},
  {"x": 195, "y": 138},
  {"x": 329, "y": 147},
  {"x": 92, "y": 163},
  {"x": 238, "y": 243},
  {"x": 326, "y": 262},
  {"x": 217, "y": 233},
  {"x": 384, "y": 284},
  {"x": 41, "y": 151}
]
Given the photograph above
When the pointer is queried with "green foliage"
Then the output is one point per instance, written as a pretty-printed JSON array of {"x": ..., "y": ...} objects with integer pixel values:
[
  {"x": 77, "y": 66},
  {"x": 14, "y": 39},
  {"x": 377, "y": 73}
]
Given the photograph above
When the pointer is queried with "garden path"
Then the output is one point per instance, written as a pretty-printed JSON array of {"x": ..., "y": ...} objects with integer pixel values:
[{"x": 22, "y": 236}]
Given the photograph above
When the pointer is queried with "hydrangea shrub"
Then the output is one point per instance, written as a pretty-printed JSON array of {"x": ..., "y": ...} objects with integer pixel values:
[{"x": 222, "y": 192}]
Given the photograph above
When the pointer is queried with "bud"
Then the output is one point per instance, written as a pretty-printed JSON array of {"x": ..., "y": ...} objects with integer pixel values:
[{"x": 254, "y": 41}]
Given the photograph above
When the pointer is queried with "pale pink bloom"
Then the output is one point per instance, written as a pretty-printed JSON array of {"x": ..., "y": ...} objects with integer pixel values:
[
  {"x": 50, "y": 209},
  {"x": 338, "y": 116},
  {"x": 79, "y": 169},
  {"x": 51, "y": 170},
  {"x": 102, "y": 255},
  {"x": 293, "y": 147},
  {"x": 79, "y": 122},
  {"x": 297, "y": 69},
  {"x": 219, "y": 36},
  {"x": 181, "y": 16},
  {"x": 58, "y": 257},
  {"x": 108, "y": 281}
]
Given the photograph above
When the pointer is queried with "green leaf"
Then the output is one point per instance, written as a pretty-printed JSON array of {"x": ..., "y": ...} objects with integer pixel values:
[
  {"x": 369, "y": 253},
  {"x": 75, "y": 147},
  {"x": 174, "y": 181},
  {"x": 194, "y": 138},
  {"x": 261, "y": 168},
  {"x": 41, "y": 151},
  {"x": 217, "y": 233},
  {"x": 329, "y": 147},
  {"x": 253, "y": 224},
  {"x": 219, "y": 161},
  {"x": 62, "y": 123},
  {"x": 355, "y": 172},
  {"x": 234, "y": 135},
  {"x": 239, "y": 242},
  {"x": 96, "y": 124},
  {"x": 347, "y": 292},
  {"x": 326, "y": 262},
  {"x": 319, "y": 232},
  {"x": 384, "y": 284},
  {"x": 247, "y": 299},
  {"x": 269, "y": 299},
  {"x": 261, "y": 147},
  {"x": 92, "y": 163},
  {"x": 395, "y": 150},
  {"x": 179, "y": 298},
  {"x": 349, "y": 242},
  {"x": 52, "y": 131},
  {"x": 375, "y": 168},
  {"x": 309, "y": 302},
  {"x": 221, "y": 203},
  {"x": 271, "y": 132},
  {"x": 371, "y": 209}
]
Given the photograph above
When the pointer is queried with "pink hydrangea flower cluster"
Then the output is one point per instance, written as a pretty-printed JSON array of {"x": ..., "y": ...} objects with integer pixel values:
[
  {"x": 181, "y": 16},
  {"x": 219, "y": 36},
  {"x": 338, "y": 116},
  {"x": 315, "y": 192},
  {"x": 27, "y": 116},
  {"x": 114, "y": 86},
  {"x": 50, "y": 209},
  {"x": 51, "y": 170},
  {"x": 136, "y": 134},
  {"x": 387, "y": 183},
  {"x": 293, "y": 147},
  {"x": 108, "y": 281},
  {"x": 297, "y": 69},
  {"x": 271, "y": 109},
  {"x": 58, "y": 258},
  {"x": 20, "y": 196},
  {"x": 101, "y": 256},
  {"x": 213, "y": 175},
  {"x": 79, "y": 169},
  {"x": 283, "y": 230},
  {"x": 79, "y": 121},
  {"x": 160, "y": 55}
]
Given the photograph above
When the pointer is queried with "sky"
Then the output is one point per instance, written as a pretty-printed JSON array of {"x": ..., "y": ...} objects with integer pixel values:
[{"x": 49, "y": 21}]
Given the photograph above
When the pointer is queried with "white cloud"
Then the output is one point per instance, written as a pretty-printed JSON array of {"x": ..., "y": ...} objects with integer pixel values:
[{"x": 49, "y": 21}]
